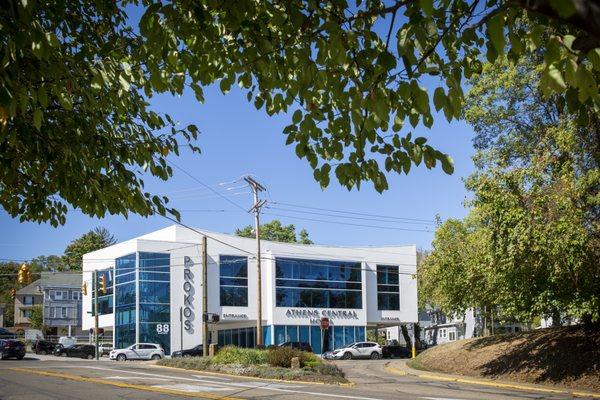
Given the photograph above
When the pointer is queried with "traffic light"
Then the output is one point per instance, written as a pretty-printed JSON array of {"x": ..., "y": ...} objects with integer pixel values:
[
  {"x": 13, "y": 293},
  {"x": 24, "y": 275},
  {"x": 102, "y": 284},
  {"x": 84, "y": 288}
]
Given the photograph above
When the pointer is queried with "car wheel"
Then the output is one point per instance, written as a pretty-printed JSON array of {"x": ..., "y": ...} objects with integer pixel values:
[
  {"x": 121, "y": 357},
  {"x": 155, "y": 357},
  {"x": 20, "y": 357},
  {"x": 43, "y": 352},
  {"x": 374, "y": 355},
  {"x": 90, "y": 356},
  {"x": 187, "y": 355},
  {"x": 347, "y": 355}
]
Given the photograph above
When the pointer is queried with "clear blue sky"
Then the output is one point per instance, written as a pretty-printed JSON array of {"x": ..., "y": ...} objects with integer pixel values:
[{"x": 236, "y": 139}]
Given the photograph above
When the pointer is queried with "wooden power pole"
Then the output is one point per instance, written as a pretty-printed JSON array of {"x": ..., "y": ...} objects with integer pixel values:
[{"x": 257, "y": 187}]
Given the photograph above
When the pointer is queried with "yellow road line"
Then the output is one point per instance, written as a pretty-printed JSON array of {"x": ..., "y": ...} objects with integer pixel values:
[
  {"x": 507, "y": 385},
  {"x": 395, "y": 371},
  {"x": 78, "y": 378}
]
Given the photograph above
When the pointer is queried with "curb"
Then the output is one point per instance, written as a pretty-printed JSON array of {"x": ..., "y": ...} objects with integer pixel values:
[
  {"x": 489, "y": 383},
  {"x": 349, "y": 384}
]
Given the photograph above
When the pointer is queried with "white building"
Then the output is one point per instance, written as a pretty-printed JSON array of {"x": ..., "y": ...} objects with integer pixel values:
[{"x": 154, "y": 291}]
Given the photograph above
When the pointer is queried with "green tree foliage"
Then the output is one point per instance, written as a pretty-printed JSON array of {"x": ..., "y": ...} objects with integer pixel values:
[
  {"x": 93, "y": 240},
  {"x": 531, "y": 244},
  {"x": 76, "y": 126},
  {"x": 277, "y": 232},
  {"x": 37, "y": 317}
]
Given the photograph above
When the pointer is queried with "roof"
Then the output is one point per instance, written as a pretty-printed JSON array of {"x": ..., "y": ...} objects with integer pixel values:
[{"x": 52, "y": 279}]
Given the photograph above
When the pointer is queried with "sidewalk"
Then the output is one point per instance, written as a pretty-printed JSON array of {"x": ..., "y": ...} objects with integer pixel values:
[{"x": 400, "y": 368}]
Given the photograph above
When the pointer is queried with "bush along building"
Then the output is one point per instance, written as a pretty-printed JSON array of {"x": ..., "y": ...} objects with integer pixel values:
[{"x": 153, "y": 291}]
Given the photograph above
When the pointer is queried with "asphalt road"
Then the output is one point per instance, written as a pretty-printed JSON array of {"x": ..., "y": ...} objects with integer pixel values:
[{"x": 47, "y": 377}]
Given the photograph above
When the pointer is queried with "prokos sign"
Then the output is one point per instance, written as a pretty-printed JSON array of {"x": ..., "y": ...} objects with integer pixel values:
[{"x": 188, "y": 294}]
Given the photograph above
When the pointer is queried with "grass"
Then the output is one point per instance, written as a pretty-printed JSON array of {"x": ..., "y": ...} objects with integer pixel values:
[{"x": 268, "y": 364}]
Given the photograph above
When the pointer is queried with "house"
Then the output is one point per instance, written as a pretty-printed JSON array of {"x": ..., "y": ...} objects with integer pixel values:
[
  {"x": 25, "y": 301},
  {"x": 62, "y": 303},
  {"x": 59, "y": 293}
]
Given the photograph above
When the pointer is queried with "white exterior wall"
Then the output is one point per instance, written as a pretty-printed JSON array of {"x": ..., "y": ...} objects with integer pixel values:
[{"x": 181, "y": 243}]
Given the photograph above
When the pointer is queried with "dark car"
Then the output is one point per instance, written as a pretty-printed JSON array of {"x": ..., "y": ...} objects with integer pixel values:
[
  {"x": 395, "y": 351},
  {"x": 193, "y": 352},
  {"x": 43, "y": 347},
  {"x": 81, "y": 350},
  {"x": 60, "y": 350},
  {"x": 10, "y": 348},
  {"x": 298, "y": 345},
  {"x": 6, "y": 334}
]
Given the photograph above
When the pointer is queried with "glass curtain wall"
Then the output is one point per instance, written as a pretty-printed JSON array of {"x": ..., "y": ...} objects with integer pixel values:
[
  {"x": 233, "y": 274},
  {"x": 125, "y": 301},
  {"x": 388, "y": 287},
  {"x": 320, "y": 341},
  {"x": 154, "y": 299},
  {"x": 318, "y": 283}
]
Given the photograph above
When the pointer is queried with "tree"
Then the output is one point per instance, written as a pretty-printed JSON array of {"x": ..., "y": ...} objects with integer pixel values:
[
  {"x": 36, "y": 319},
  {"x": 76, "y": 126},
  {"x": 277, "y": 232},
  {"x": 531, "y": 243},
  {"x": 96, "y": 239}
]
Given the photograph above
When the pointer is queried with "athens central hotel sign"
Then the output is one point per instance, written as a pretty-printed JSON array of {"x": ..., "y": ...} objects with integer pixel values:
[{"x": 316, "y": 315}]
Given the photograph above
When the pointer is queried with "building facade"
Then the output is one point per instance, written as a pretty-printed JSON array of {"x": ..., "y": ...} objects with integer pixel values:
[
  {"x": 62, "y": 303},
  {"x": 27, "y": 298},
  {"x": 154, "y": 290}
]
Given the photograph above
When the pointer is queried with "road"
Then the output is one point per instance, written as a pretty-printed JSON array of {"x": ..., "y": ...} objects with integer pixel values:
[{"x": 47, "y": 377}]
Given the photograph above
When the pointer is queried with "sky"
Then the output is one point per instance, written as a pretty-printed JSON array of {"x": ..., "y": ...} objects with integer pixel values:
[{"x": 237, "y": 140}]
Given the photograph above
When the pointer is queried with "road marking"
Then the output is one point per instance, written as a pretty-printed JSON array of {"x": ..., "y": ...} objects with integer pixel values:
[
  {"x": 191, "y": 388},
  {"x": 253, "y": 385},
  {"x": 212, "y": 377},
  {"x": 124, "y": 385},
  {"x": 139, "y": 377}
]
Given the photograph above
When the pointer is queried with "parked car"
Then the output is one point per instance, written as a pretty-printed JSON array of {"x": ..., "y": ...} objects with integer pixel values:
[
  {"x": 298, "y": 345},
  {"x": 43, "y": 347},
  {"x": 67, "y": 341},
  {"x": 6, "y": 334},
  {"x": 193, "y": 352},
  {"x": 138, "y": 351},
  {"x": 105, "y": 348},
  {"x": 60, "y": 350},
  {"x": 395, "y": 350},
  {"x": 11, "y": 348},
  {"x": 81, "y": 350},
  {"x": 370, "y": 350}
]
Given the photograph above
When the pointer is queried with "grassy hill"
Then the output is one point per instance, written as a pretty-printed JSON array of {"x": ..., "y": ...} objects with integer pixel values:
[{"x": 566, "y": 356}]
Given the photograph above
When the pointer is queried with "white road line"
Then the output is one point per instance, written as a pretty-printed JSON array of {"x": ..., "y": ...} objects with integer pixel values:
[
  {"x": 139, "y": 377},
  {"x": 255, "y": 385},
  {"x": 213, "y": 377},
  {"x": 191, "y": 388}
]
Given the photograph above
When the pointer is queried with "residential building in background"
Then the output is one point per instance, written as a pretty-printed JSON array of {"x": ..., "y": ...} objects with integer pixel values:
[
  {"x": 154, "y": 290},
  {"x": 26, "y": 299},
  {"x": 62, "y": 303}
]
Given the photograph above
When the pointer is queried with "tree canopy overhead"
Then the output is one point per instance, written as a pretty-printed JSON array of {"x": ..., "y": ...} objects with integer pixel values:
[
  {"x": 75, "y": 79},
  {"x": 277, "y": 232}
]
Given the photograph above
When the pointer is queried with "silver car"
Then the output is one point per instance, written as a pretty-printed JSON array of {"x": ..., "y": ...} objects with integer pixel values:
[
  {"x": 138, "y": 351},
  {"x": 370, "y": 350}
]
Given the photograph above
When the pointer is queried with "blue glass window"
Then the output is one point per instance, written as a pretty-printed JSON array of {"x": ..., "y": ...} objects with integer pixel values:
[
  {"x": 388, "y": 287},
  {"x": 233, "y": 281},
  {"x": 154, "y": 299},
  {"x": 315, "y": 339},
  {"x": 318, "y": 283}
]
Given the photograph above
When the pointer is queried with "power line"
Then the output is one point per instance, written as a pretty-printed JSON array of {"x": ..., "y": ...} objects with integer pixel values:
[
  {"x": 349, "y": 223},
  {"x": 206, "y": 186},
  {"x": 353, "y": 212},
  {"x": 348, "y": 217}
]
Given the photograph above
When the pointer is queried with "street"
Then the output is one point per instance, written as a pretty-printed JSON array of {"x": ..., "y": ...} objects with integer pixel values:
[{"x": 47, "y": 377}]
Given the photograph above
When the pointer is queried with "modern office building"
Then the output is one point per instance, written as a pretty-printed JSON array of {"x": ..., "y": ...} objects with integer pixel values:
[{"x": 154, "y": 290}]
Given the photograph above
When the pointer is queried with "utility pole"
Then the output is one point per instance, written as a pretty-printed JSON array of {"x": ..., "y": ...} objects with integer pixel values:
[
  {"x": 257, "y": 187},
  {"x": 95, "y": 286},
  {"x": 204, "y": 297}
]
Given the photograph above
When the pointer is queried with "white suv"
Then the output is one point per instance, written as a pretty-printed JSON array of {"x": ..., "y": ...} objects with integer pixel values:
[
  {"x": 138, "y": 351},
  {"x": 370, "y": 350}
]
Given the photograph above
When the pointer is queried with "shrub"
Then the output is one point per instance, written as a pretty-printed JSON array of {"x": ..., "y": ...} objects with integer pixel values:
[
  {"x": 237, "y": 355},
  {"x": 282, "y": 357},
  {"x": 328, "y": 369},
  {"x": 198, "y": 363}
]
